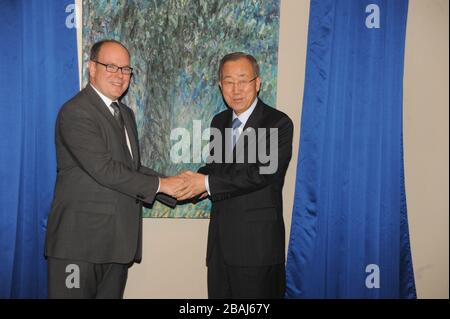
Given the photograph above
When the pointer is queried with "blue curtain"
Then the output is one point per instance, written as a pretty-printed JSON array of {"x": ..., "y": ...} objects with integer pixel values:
[
  {"x": 38, "y": 73},
  {"x": 349, "y": 235}
]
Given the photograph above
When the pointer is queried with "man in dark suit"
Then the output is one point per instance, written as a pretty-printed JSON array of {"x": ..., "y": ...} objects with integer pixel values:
[
  {"x": 95, "y": 226},
  {"x": 246, "y": 238}
]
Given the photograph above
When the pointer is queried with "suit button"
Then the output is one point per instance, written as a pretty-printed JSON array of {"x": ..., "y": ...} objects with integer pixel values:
[{"x": 137, "y": 201}]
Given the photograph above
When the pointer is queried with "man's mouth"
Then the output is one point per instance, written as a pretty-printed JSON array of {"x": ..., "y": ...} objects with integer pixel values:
[{"x": 116, "y": 84}]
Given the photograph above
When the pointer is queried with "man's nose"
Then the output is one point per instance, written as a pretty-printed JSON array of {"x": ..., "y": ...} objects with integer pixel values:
[
  {"x": 236, "y": 88},
  {"x": 119, "y": 74}
]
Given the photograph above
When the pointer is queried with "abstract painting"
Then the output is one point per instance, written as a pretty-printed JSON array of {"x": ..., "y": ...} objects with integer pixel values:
[{"x": 176, "y": 47}]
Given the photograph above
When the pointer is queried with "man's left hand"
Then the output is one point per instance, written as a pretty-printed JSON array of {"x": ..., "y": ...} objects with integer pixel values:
[{"x": 193, "y": 185}]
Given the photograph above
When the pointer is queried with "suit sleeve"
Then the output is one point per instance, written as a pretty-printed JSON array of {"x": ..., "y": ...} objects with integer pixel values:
[
  {"x": 148, "y": 171},
  {"x": 163, "y": 198},
  {"x": 83, "y": 138},
  {"x": 237, "y": 179}
]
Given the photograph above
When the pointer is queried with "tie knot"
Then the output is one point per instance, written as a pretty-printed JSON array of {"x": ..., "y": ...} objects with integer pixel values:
[
  {"x": 236, "y": 123},
  {"x": 117, "y": 114},
  {"x": 115, "y": 106}
]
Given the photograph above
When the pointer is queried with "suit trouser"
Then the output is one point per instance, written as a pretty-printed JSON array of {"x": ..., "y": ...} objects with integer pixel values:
[
  {"x": 70, "y": 279},
  {"x": 224, "y": 281}
]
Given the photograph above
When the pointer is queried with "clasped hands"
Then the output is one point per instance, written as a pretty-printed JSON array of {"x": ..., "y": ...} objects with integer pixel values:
[{"x": 184, "y": 186}]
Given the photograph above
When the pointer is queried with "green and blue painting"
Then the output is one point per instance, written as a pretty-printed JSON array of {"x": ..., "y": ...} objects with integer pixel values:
[{"x": 176, "y": 47}]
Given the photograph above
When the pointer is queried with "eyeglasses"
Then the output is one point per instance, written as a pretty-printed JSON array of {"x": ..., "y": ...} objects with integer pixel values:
[
  {"x": 114, "y": 68},
  {"x": 241, "y": 84}
]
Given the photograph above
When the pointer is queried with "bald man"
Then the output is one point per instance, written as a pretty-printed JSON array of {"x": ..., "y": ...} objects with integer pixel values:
[{"x": 95, "y": 225}]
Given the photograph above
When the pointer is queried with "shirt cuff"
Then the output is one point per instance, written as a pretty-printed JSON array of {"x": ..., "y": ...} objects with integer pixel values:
[
  {"x": 207, "y": 184},
  {"x": 159, "y": 185}
]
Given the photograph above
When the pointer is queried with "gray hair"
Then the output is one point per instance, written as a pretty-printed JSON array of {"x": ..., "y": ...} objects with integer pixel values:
[{"x": 236, "y": 56}]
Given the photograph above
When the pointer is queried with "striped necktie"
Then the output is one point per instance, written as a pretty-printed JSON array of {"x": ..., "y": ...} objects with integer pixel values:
[
  {"x": 117, "y": 115},
  {"x": 235, "y": 125}
]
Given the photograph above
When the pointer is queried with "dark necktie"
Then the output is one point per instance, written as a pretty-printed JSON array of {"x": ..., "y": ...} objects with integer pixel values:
[{"x": 117, "y": 115}]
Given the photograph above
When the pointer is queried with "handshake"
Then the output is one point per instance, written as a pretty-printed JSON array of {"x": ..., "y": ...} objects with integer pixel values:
[{"x": 184, "y": 186}]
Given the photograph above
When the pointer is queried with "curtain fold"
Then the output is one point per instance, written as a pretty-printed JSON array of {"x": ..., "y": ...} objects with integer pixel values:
[
  {"x": 349, "y": 231},
  {"x": 39, "y": 72}
]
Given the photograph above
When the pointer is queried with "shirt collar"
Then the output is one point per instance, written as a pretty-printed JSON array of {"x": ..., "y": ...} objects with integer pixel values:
[
  {"x": 243, "y": 117},
  {"x": 104, "y": 98}
]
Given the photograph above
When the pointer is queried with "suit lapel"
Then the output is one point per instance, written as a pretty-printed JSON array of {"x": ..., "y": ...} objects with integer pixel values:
[
  {"x": 98, "y": 103},
  {"x": 101, "y": 107},
  {"x": 254, "y": 119},
  {"x": 253, "y": 122},
  {"x": 223, "y": 126}
]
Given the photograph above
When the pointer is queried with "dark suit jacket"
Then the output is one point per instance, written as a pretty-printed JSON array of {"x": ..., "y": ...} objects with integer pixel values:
[
  {"x": 96, "y": 214},
  {"x": 247, "y": 210}
]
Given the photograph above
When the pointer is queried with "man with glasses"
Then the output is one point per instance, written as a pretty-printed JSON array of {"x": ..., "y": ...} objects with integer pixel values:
[
  {"x": 246, "y": 238},
  {"x": 94, "y": 230}
]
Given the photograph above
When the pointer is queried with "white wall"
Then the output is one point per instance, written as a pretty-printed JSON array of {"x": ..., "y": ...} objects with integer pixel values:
[{"x": 426, "y": 143}]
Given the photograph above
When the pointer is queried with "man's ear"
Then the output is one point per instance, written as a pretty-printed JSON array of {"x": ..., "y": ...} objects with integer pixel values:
[
  {"x": 258, "y": 83},
  {"x": 92, "y": 68}
]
